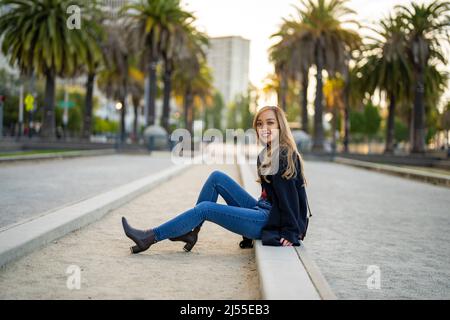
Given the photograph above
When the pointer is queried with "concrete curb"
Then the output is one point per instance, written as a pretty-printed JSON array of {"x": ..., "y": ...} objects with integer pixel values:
[
  {"x": 57, "y": 155},
  {"x": 434, "y": 178},
  {"x": 21, "y": 239},
  {"x": 285, "y": 273},
  {"x": 282, "y": 275},
  {"x": 320, "y": 283}
]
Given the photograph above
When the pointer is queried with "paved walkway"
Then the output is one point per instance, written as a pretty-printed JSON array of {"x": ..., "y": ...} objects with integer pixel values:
[
  {"x": 363, "y": 218},
  {"x": 216, "y": 268},
  {"x": 28, "y": 189}
]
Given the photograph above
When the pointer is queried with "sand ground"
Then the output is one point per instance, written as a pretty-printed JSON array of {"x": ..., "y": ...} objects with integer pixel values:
[{"x": 215, "y": 269}]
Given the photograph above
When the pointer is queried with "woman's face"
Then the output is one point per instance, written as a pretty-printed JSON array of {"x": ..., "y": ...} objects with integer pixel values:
[{"x": 265, "y": 125}]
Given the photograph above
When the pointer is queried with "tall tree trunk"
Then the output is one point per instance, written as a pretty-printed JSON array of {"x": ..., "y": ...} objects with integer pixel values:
[
  {"x": 304, "y": 101},
  {"x": 390, "y": 125},
  {"x": 419, "y": 113},
  {"x": 411, "y": 127},
  {"x": 123, "y": 111},
  {"x": 334, "y": 128},
  {"x": 136, "y": 100},
  {"x": 48, "y": 124},
  {"x": 346, "y": 111},
  {"x": 318, "y": 139},
  {"x": 188, "y": 110},
  {"x": 122, "y": 120},
  {"x": 346, "y": 127},
  {"x": 87, "y": 121},
  {"x": 188, "y": 115},
  {"x": 283, "y": 92},
  {"x": 166, "y": 99},
  {"x": 152, "y": 89},
  {"x": 279, "y": 93}
]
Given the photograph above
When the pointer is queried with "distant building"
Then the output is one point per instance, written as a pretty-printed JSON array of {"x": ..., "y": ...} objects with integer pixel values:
[{"x": 229, "y": 59}]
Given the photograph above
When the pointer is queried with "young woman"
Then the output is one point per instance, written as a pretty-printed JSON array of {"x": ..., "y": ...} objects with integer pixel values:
[{"x": 278, "y": 217}]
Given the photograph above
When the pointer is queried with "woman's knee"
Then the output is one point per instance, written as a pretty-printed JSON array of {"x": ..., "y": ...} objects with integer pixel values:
[
  {"x": 217, "y": 175},
  {"x": 203, "y": 207}
]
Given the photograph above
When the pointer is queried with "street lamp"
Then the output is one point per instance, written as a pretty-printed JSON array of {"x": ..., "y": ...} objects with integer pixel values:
[{"x": 118, "y": 106}]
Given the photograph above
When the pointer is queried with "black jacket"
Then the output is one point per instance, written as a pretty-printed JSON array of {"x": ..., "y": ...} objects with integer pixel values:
[{"x": 288, "y": 217}]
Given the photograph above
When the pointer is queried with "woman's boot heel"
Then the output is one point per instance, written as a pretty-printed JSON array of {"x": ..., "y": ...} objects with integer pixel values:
[
  {"x": 135, "y": 249},
  {"x": 189, "y": 238},
  {"x": 188, "y": 246}
]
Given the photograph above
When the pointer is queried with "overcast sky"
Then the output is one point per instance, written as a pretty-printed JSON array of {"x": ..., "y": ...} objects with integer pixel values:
[{"x": 256, "y": 20}]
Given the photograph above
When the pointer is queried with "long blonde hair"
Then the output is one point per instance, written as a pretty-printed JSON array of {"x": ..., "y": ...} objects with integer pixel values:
[{"x": 286, "y": 143}]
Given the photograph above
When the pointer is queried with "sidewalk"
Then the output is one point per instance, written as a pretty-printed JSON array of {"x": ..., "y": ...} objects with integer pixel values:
[{"x": 216, "y": 268}]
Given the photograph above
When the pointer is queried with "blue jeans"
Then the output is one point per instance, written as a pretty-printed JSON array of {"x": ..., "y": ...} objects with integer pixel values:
[{"x": 243, "y": 214}]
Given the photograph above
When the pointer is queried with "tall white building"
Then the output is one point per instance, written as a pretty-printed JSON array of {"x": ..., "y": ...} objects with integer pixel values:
[{"x": 229, "y": 59}]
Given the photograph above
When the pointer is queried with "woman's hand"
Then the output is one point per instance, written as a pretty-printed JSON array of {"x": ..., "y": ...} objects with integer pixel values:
[{"x": 285, "y": 243}]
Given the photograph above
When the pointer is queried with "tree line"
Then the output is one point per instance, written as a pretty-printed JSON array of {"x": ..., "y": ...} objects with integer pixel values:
[
  {"x": 399, "y": 62},
  {"x": 125, "y": 52}
]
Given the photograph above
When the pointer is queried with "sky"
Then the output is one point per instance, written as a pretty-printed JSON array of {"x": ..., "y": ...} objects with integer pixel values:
[{"x": 257, "y": 20}]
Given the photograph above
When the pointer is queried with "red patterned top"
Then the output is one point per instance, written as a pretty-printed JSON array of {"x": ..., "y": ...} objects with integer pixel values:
[{"x": 264, "y": 194}]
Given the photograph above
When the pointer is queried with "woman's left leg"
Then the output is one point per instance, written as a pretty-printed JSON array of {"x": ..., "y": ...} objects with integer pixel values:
[
  {"x": 185, "y": 228},
  {"x": 219, "y": 183},
  {"x": 243, "y": 221}
]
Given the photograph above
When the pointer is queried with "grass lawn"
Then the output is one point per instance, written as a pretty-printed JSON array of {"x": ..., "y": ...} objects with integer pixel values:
[
  {"x": 427, "y": 169},
  {"x": 32, "y": 152}
]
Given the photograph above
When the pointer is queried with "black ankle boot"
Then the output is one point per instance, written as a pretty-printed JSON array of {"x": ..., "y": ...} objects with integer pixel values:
[
  {"x": 246, "y": 243},
  {"x": 190, "y": 238},
  {"x": 143, "y": 238}
]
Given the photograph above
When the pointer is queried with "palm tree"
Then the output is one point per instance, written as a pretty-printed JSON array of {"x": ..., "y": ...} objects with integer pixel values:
[
  {"x": 193, "y": 85},
  {"x": 93, "y": 64},
  {"x": 271, "y": 85},
  {"x": 427, "y": 29},
  {"x": 279, "y": 55},
  {"x": 387, "y": 68},
  {"x": 436, "y": 83},
  {"x": 113, "y": 80},
  {"x": 333, "y": 90},
  {"x": 36, "y": 39},
  {"x": 321, "y": 28},
  {"x": 175, "y": 40},
  {"x": 154, "y": 20},
  {"x": 192, "y": 76},
  {"x": 304, "y": 80},
  {"x": 168, "y": 58},
  {"x": 445, "y": 123},
  {"x": 299, "y": 58},
  {"x": 136, "y": 90}
]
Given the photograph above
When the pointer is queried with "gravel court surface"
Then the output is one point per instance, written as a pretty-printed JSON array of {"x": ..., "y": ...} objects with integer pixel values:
[
  {"x": 364, "y": 222},
  {"x": 30, "y": 189}
]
